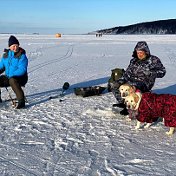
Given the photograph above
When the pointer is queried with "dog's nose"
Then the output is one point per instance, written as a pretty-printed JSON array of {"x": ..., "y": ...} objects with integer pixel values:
[
  {"x": 123, "y": 95},
  {"x": 128, "y": 106}
]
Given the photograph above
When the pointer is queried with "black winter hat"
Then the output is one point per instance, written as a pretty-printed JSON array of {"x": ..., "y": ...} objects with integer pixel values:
[{"x": 13, "y": 40}]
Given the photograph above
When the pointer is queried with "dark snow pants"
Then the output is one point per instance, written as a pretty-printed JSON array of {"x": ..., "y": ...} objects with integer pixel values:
[{"x": 16, "y": 84}]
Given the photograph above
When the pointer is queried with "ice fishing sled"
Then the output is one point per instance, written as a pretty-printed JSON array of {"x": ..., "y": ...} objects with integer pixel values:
[{"x": 89, "y": 91}]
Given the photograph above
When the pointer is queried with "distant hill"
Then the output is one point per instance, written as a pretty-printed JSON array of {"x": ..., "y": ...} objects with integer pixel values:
[{"x": 154, "y": 27}]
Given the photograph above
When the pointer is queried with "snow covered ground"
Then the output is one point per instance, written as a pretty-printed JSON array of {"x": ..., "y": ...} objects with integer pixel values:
[{"x": 75, "y": 137}]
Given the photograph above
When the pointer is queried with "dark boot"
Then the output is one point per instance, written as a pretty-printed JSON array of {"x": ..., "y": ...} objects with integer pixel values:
[
  {"x": 119, "y": 105},
  {"x": 117, "y": 108},
  {"x": 124, "y": 112},
  {"x": 20, "y": 104}
]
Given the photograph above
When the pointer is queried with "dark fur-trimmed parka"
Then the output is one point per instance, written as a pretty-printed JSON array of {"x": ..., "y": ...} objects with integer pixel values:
[{"x": 142, "y": 73}]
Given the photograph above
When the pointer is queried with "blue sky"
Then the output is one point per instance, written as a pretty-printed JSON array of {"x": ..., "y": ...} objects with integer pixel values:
[{"x": 79, "y": 16}]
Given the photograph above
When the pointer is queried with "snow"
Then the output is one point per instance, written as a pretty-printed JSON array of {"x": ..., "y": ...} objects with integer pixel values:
[{"x": 81, "y": 136}]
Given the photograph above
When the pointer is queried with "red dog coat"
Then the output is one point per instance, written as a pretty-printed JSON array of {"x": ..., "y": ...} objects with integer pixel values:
[{"x": 153, "y": 106}]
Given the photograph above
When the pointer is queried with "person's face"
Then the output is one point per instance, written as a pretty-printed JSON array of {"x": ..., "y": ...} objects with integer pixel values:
[
  {"x": 141, "y": 54},
  {"x": 14, "y": 47}
]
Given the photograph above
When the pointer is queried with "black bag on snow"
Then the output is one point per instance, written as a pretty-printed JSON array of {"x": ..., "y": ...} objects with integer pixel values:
[
  {"x": 116, "y": 74},
  {"x": 89, "y": 91}
]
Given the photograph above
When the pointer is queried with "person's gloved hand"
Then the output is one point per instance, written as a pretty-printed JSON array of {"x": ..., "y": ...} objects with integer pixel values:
[{"x": 2, "y": 70}]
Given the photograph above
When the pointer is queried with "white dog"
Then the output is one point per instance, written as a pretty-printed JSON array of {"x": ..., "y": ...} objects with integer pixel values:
[
  {"x": 132, "y": 102},
  {"x": 126, "y": 89}
]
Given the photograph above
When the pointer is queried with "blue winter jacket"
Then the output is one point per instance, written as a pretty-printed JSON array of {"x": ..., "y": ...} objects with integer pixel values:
[{"x": 15, "y": 64}]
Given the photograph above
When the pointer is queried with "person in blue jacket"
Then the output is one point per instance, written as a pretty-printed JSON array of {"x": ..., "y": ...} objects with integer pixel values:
[{"x": 14, "y": 63}]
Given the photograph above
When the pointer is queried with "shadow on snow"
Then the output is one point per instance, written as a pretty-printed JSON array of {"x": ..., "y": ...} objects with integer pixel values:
[
  {"x": 45, "y": 96},
  {"x": 42, "y": 97}
]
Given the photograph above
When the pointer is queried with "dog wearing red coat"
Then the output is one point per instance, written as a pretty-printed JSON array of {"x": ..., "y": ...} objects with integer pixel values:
[{"x": 150, "y": 106}]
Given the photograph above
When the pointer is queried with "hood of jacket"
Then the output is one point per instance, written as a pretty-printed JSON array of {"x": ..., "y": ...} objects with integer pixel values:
[{"x": 142, "y": 46}]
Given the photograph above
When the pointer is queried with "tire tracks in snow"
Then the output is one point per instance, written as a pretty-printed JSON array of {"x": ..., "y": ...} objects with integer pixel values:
[
  {"x": 18, "y": 165},
  {"x": 26, "y": 155},
  {"x": 67, "y": 55}
]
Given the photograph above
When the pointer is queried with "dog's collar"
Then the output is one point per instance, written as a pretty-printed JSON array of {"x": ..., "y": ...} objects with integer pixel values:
[
  {"x": 132, "y": 113},
  {"x": 137, "y": 90}
]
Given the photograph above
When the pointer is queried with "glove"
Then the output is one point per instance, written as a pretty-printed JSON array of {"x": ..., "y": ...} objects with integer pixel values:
[{"x": 2, "y": 70}]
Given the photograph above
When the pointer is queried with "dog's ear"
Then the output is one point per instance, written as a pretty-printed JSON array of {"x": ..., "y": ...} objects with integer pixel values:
[
  {"x": 132, "y": 89},
  {"x": 136, "y": 98}
]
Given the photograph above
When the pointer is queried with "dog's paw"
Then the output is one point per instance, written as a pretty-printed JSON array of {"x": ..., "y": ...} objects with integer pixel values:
[
  {"x": 137, "y": 127},
  {"x": 169, "y": 133},
  {"x": 128, "y": 119},
  {"x": 127, "y": 116},
  {"x": 147, "y": 125}
]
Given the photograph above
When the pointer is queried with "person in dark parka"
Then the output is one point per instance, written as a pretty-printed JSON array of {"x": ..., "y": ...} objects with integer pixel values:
[
  {"x": 14, "y": 63},
  {"x": 142, "y": 72}
]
